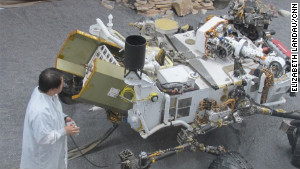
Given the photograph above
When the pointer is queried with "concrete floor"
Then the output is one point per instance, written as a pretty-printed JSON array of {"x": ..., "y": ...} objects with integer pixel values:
[{"x": 30, "y": 38}]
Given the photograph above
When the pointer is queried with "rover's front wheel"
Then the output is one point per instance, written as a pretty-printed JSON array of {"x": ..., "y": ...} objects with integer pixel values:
[
  {"x": 296, "y": 149},
  {"x": 230, "y": 160}
]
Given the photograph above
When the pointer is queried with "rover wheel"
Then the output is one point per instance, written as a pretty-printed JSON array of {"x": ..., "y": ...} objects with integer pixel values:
[
  {"x": 230, "y": 160},
  {"x": 276, "y": 69},
  {"x": 221, "y": 4},
  {"x": 72, "y": 86},
  {"x": 291, "y": 135},
  {"x": 66, "y": 98},
  {"x": 296, "y": 149},
  {"x": 291, "y": 139}
]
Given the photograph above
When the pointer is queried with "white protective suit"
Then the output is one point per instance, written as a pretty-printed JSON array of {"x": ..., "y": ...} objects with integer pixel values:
[{"x": 44, "y": 137}]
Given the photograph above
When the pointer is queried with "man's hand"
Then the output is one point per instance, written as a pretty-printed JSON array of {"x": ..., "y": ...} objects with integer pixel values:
[{"x": 72, "y": 130}]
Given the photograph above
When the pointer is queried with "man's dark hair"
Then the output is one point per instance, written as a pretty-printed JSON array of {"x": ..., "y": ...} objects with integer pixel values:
[{"x": 50, "y": 78}]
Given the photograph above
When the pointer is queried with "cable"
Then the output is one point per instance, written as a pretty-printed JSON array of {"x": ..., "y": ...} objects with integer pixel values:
[
  {"x": 130, "y": 90},
  {"x": 99, "y": 166},
  {"x": 80, "y": 151},
  {"x": 292, "y": 114},
  {"x": 257, "y": 104},
  {"x": 90, "y": 146},
  {"x": 85, "y": 148}
]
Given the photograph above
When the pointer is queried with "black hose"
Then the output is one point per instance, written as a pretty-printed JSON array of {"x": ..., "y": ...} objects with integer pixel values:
[
  {"x": 95, "y": 165},
  {"x": 91, "y": 146},
  {"x": 291, "y": 115},
  {"x": 96, "y": 142}
]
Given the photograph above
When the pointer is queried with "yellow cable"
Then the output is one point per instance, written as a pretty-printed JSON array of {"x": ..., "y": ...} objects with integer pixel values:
[
  {"x": 143, "y": 99},
  {"x": 130, "y": 90}
]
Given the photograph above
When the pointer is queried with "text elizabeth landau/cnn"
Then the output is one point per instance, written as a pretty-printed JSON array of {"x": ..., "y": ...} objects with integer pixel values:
[{"x": 294, "y": 47}]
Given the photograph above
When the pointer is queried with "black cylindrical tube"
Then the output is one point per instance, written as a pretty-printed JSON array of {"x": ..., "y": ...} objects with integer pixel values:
[
  {"x": 135, "y": 48},
  {"x": 293, "y": 115}
]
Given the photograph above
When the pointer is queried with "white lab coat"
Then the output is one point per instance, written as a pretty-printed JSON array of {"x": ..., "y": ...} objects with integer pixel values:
[{"x": 44, "y": 137}]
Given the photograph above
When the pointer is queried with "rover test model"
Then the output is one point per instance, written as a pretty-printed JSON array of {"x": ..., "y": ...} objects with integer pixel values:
[{"x": 200, "y": 79}]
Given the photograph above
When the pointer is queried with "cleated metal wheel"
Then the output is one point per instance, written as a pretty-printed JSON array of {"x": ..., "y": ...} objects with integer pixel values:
[
  {"x": 230, "y": 160},
  {"x": 295, "y": 142},
  {"x": 221, "y": 4},
  {"x": 66, "y": 98},
  {"x": 72, "y": 86},
  {"x": 291, "y": 135},
  {"x": 276, "y": 69}
]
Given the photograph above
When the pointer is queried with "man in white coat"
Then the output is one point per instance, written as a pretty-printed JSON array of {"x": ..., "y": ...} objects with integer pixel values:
[{"x": 45, "y": 131}]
